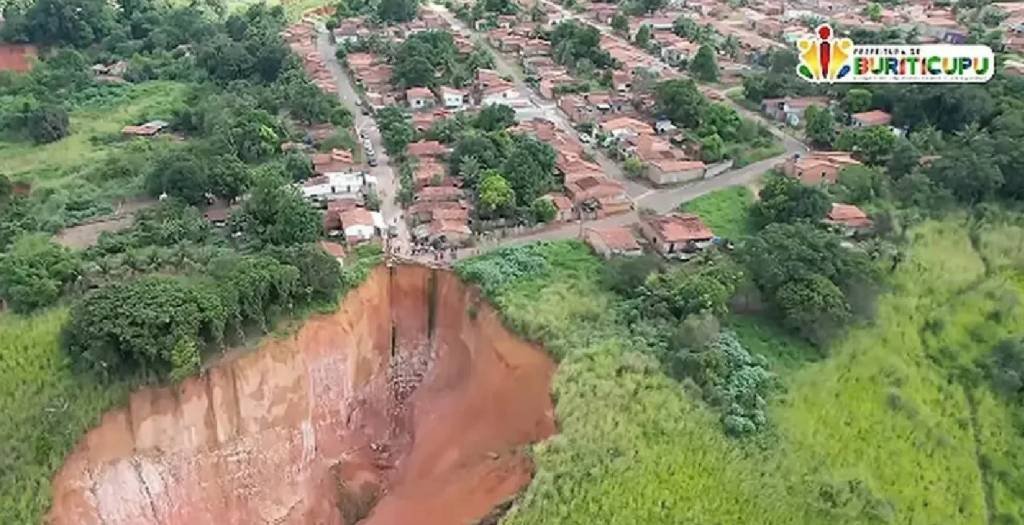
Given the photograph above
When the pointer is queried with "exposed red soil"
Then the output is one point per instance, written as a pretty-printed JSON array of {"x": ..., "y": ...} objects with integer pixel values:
[
  {"x": 334, "y": 425},
  {"x": 17, "y": 57}
]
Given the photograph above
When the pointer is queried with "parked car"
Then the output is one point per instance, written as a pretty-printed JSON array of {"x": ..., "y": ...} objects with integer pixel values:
[{"x": 372, "y": 161}]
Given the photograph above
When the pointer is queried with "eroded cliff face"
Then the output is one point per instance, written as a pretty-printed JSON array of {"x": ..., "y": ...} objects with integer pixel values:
[{"x": 411, "y": 404}]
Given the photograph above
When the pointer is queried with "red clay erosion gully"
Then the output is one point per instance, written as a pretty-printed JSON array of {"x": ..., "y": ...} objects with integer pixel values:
[{"x": 409, "y": 405}]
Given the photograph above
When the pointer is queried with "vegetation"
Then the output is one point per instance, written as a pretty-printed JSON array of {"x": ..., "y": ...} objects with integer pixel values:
[
  {"x": 885, "y": 410},
  {"x": 727, "y": 212}
]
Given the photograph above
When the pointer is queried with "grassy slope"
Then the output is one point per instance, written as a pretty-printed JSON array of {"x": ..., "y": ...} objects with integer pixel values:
[
  {"x": 51, "y": 165},
  {"x": 880, "y": 431},
  {"x": 46, "y": 407}
]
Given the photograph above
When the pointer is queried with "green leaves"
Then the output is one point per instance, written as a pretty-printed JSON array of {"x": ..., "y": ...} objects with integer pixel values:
[{"x": 34, "y": 272}]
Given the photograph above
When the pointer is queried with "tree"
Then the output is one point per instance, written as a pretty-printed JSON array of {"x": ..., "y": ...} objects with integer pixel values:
[
  {"x": 872, "y": 145},
  {"x": 857, "y": 100},
  {"x": 685, "y": 292},
  {"x": 781, "y": 253},
  {"x": 48, "y": 124},
  {"x": 814, "y": 307},
  {"x": 494, "y": 194},
  {"x": 905, "y": 158},
  {"x": 681, "y": 102},
  {"x": 298, "y": 166},
  {"x": 529, "y": 168},
  {"x": 786, "y": 200},
  {"x": 395, "y": 129},
  {"x": 643, "y": 36},
  {"x": 719, "y": 119},
  {"x": 703, "y": 67},
  {"x": 228, "y": 176},
  {"x": 634, "y": 168},
  {"x": 480, "y": 148},
  {"x": 77, "y": 23},
  {"x": 712, "y": 148},
  {"x": 149, "y": 325},
  {"x": 858, "y": 184},
  {"x": 34, "y": 272},
  {"x": 543, "y": 210},
  {"x": 970, "y": 177},
  {"x": 276, "y": 214},
  {"x": 620, "y": 23},
  {"x": 820, "y": 126},
  {"x": 873, "y": 11},
  {"x": 319, "y": 272},
  {"x": 397, "y": 11},
  {"x": 791, "y": 264},
  {"x": 179, "y": 173},
  {"x": 495, "y": 117},
  {"x": 415, "y": 71}
]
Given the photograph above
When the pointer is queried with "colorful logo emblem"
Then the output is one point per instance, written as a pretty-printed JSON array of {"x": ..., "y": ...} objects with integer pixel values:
[{"x": 825, "y": 58}]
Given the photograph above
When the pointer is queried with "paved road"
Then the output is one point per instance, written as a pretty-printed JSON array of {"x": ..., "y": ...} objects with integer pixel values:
[
  {"x": 387, "y": 180},
  {"x": 540, "y": 107}
]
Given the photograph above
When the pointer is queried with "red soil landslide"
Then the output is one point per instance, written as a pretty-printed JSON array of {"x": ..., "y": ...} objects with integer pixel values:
[{"x": 410, "y": 405}]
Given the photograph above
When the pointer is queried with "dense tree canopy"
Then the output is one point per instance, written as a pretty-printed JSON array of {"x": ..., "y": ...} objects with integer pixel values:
[
  {"x": 785, "y": 199},
  {"x": 703, "y": 66}
]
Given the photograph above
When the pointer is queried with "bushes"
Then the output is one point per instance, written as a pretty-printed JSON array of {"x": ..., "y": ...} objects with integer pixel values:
[
  {"x": 34, "y": 272},
  {"x": 503, "y": 266},
  {"x": 731, "y": 379},
  {"x": 145, "y": 325}
]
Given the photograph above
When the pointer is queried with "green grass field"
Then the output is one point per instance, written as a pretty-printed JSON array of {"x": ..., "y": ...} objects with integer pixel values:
[
  {"x": 882, "y": 428},
  {"x": 93, "y": 130},
  {"x": 726, "y": 212},
  {"x": 46, "y": 405}
]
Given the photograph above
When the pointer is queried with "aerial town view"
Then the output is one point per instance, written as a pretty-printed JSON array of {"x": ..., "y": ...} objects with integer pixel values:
[{"x": 516, "y": 262}]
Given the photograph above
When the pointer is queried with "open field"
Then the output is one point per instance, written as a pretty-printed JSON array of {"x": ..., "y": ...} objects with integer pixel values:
[
  {"x": 726, "y": 212},
  {"x": 46, "y": 405},
  {"x": 79, "y": 177},
  {"x": 95, "y": 129},
  {"x": 886, "y": 427}
]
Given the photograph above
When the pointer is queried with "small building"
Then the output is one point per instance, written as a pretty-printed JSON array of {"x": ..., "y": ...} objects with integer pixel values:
[
  {"x": 870, "y": 119},
  {"x": 453, "y": 98},
  {"x": 791, "y": 110},
  {"x": 626, "y": 126},
  {"x": 674, "y": 171},
  {"x": 419, "y": 98},
  {"x": 849, "y": 219},
  {"x": 677, "y": 235},
  {"x": 426, "y": 148},
  {"x": 334, "y": 250},
  {"x": 818, "y": 167},
  {"x": 360, "y": 224},
  {"x": 609, "y": 242},
  {"x": 564, "y": 210},
  {"x": 148, "y": 129},
  {"x": 337, "y": 185}
]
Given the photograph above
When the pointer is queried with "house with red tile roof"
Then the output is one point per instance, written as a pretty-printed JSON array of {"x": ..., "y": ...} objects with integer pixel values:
[
  {"x": 612, "y": 241},
  {"x": 677, "y": 235},
  {"x": 564, "y": 210},
  {"x": 419, "y": 98},
  {"x": 870, "y": 119},
  {"x": 818, "y": 167},
  {"x": 598, "y": 196},
  {"x": 848, "y": 218},
  {"x": 426, "y": 148}
]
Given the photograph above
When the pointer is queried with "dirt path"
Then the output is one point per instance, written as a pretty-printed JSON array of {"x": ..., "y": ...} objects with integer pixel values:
[{"x": 87, "y": 234}]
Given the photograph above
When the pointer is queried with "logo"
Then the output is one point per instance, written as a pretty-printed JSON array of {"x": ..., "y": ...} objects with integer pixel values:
[{"x": 824, "y": 58}]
